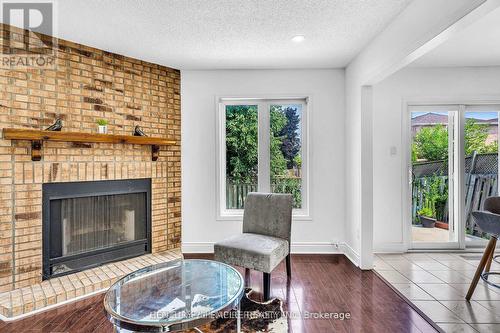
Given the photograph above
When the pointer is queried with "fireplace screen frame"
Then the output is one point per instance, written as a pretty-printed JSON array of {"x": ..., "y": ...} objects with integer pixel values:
[{"x": 90, "y": 259}]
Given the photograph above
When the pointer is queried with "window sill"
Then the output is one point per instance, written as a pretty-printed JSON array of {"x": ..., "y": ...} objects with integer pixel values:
[{"x": 239, "y": 217}]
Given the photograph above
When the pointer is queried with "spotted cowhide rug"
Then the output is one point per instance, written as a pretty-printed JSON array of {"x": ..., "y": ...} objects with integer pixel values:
[{"x": 255, "y": 317}]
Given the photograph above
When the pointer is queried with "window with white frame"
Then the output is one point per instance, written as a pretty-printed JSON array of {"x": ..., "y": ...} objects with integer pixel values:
[{"x": 262, "y": 147}]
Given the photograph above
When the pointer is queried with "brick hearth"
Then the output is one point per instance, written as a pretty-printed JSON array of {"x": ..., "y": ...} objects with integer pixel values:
[
  {"x": 87, "y": 84},
  {"x": 66, "y": 288}
]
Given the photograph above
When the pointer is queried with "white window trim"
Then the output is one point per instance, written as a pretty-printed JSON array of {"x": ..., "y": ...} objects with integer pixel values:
[{"x": 224, "y": 214}]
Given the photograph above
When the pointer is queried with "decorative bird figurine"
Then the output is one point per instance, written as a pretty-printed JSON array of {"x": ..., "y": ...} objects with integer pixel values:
[
  {"x": 55, "y": 126},
  {"x": 138, "y": 131}
]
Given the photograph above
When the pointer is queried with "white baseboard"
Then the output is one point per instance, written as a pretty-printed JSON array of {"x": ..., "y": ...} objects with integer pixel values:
[
  {"x": 352, "y": 255},
  {"x": 389, "y": 248},
  {"x": 297, "y": 248},
  {"x": 197, "y": 247},
  {"x": 315, "y": 248}
]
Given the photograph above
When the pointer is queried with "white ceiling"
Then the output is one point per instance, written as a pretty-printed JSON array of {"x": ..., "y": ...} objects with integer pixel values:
[
  {"x": 477, "y": 45},
  {"x": 215, "y": 34}
]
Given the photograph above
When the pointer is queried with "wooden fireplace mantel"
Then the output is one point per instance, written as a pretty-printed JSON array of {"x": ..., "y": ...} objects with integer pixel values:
[{"x": 37, "y": 137}]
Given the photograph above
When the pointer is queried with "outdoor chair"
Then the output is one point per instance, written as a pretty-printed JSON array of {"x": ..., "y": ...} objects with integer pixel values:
[
  {"x": 265, "y": 241},
  {"x": 489, "y": 222}
]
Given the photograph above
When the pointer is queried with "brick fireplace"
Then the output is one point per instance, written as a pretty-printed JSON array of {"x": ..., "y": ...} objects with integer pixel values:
[{"x": 87, "y": 84}]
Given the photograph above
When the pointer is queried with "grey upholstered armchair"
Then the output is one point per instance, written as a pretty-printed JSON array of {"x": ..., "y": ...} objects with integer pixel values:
[{"x": 265, "y": 241}]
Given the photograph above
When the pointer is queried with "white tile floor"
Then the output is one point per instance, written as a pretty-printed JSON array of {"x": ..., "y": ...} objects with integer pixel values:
[{"x": 437, "y": 283}]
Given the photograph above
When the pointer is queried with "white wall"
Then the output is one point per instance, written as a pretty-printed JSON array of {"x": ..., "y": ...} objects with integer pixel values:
[
  {"x": 422, "y": 26},
  {"x": 200, "y": 228},
  {"x": 453, "y": 84}
]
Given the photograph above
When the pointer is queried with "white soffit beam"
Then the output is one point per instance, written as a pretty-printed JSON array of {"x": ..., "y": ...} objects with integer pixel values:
[
  {"x": 448, "y": 33},
  {"x": 421, "y": 27}
]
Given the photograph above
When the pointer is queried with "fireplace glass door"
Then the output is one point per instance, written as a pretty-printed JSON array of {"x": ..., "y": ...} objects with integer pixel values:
[
  {"x": 96, "y": 222},
  {"x": 86, "y": 224}
]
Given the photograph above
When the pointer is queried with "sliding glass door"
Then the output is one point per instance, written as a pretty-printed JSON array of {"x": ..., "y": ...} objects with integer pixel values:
[
  {"x": 453, "y": 169},
  {"x": 433, "y": 170}
]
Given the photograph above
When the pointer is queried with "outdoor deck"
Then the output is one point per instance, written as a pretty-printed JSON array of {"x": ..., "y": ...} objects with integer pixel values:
[
  {"x": 420, "y": 234},
  {"x": 431, "y": 235}
]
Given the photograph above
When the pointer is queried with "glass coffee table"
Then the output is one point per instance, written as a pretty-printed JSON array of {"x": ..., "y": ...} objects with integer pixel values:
[{"x": 174, "y": 296}]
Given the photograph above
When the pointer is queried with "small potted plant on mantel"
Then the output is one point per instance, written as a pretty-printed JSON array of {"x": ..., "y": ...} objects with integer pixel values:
[
  {"x": 427, "y": 217},
  {"x": 102, "y": 127}
]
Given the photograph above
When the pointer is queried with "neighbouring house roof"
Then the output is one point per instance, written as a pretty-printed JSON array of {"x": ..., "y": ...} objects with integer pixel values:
[
  {"x": 487, "y": 121},
  {"x": 432, "y": 118},
  {"x": 429, "y": 119}
]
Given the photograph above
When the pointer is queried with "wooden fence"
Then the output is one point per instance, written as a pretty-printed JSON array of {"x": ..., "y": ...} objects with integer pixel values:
[
  {"x": 236, "y": 194},
  {"x": 481, "y": 182},
  {"x": 477, "y": 188},
  {"x": 421, "y": 188}
]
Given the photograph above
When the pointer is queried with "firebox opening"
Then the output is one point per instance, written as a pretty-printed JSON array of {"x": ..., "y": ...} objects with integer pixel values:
[{"x": 86, "y": 224}]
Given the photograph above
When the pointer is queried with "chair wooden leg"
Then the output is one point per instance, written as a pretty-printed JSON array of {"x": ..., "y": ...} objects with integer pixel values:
[
  {"x": 267, "y": 285},
  {"x": 247, "y": 277},
  {"x": 490, "y": 259},
  {"x": 288, "y": 266},
  {"x": 486, "y": 256}
]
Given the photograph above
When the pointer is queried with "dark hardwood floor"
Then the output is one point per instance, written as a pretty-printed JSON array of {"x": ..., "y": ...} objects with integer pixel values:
[{"x": 320, "y": 283}]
